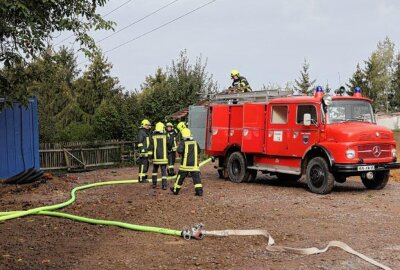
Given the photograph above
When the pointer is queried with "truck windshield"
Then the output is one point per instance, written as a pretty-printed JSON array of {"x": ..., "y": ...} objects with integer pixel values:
[{"x": 350, "y": 111}]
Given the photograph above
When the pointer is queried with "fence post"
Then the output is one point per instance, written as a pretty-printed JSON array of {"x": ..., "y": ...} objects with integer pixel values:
[{"x": 67, "y": 161}]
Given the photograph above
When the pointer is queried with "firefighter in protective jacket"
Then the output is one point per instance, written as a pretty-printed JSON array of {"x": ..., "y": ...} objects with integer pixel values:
[
  {"x": 160, "y": 146},
  {"x": 189, "y": 150},
  {"x": 240, "y": 82},
  {"x": 143, "y": 145},
  {"x": 171, "y": 136}
]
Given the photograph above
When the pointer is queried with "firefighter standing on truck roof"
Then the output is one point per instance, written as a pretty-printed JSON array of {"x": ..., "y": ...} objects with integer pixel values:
[
  {"x": 143, "y": 145},
  {"x": 160, "y": 147},
  {"x": 189, "y": 150},
  {"x": 171, "y": 136},
  {"x": 240, "y": 82}
]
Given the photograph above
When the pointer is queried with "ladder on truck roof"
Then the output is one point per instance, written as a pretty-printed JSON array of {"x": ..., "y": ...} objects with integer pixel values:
[{"x": 255, "y": 96}]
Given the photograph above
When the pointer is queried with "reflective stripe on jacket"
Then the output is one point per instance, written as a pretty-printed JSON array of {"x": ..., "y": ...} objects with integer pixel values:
[
  {"x": 143, "y": 141},
  {"x": 160, "y": 147},
  {"x": 189, "y": 150}
]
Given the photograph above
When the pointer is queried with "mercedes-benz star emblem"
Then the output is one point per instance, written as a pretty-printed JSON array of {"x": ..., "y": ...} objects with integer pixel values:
[{"x": 376, "y": 151}]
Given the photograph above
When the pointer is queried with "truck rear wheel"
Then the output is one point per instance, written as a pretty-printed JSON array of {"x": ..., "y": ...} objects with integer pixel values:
[
  {"x": 237, "y": 169},
  {"x": 378, "y": 182},
  {"x": 319, "y": 179}
]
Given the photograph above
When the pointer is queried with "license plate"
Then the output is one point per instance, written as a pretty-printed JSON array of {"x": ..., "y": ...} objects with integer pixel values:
[{"x": 366, "y": 168}]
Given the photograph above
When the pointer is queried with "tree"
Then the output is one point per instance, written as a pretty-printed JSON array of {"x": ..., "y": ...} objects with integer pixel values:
[
  {"x": 183, "y": 84},
  {"x": 189, "y": 83},
  {"x": 96, "y": 84},
  {"x": 378, "y": 71},
  {"x": 116, "y": 118},
  {"x": 395, "y": 96},
  {"x": 304, "y": 85},
  {"x": 358, "y": 79},
  {"x": 26, "y": 26},
  {"x": 156, "y": 100}
]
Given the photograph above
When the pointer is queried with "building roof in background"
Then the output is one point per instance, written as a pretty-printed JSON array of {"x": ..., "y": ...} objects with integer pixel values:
[{"x": 179, "y": 115}]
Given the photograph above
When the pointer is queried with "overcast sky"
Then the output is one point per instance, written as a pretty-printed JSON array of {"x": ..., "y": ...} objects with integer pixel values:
[{"x": 266, "y": 40}]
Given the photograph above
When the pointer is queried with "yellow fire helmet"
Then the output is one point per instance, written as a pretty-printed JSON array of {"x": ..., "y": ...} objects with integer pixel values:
[
  {"x": 181, "y": 126},
  {"x": 145, "y": 122},
  {"x": 234, "y": 72},
  {"x": 159, "y": 127},
  {"x": 186, "y": 133}
]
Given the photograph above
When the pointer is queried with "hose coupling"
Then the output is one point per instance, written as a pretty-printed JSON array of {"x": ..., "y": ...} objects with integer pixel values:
[{"x": 196, "y": 231}]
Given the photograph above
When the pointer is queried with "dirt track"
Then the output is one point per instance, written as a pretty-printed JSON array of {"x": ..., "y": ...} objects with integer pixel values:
[{"x": 366, "y": 220}]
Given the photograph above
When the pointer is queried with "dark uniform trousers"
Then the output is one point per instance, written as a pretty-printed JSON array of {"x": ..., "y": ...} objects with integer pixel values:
[
  {"x": 189, "y": 150},
  {"x": 143, "y": 168},
  {"x": 198, "y": 187},
  {"x": 163, "y": 168},
  {"x": 171, "y": 162}
]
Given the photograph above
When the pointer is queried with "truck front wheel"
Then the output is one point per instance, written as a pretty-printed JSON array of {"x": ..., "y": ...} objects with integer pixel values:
[
  {"x": 378, "y": 181},
  {"x": 237, "y": 171},
  {"x": 319, "y": 179}
]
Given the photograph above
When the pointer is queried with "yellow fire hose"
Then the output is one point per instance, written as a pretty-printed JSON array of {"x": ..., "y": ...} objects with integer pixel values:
[{"x": 196, "y": 232}]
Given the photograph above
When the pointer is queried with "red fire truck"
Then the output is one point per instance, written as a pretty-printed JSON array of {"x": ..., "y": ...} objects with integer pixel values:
[{"x": 323, "y": 138}]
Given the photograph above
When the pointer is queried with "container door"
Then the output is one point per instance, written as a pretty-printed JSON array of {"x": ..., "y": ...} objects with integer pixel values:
[
  {"x": 197, "y": 123},
  {"x": 218, "y": 137},
  {"x": 236, "y": 124},
  {"x": 279, "y": 130},
  {"x": 303, "y": 137},
  {"x": 253, "y": 140}
]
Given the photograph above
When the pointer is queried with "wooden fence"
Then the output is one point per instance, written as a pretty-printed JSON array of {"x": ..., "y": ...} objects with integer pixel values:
[{"x": 83, "y": 155}]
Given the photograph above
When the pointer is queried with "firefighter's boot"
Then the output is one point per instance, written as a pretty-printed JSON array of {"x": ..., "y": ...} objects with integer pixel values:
[
  {"x": 164, "y": 184},
  {"x": 198, "y": 192},
  {"x": 154, "y": 180},
  {"x": 175, "y": 190}
]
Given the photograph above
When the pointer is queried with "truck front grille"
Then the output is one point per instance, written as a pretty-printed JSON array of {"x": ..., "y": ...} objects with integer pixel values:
[{"x": 374, "y": 151}]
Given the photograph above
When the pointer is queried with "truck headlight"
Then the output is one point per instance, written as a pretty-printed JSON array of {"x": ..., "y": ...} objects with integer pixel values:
[
  {"x": 394, "y": 152},
  {"x": 350, "y": 153}
]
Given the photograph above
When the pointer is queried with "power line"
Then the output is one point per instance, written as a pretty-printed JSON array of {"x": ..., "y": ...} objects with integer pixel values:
[
  {"x": 135, "y": 22},
  {"x": 154, "y": 29},
  {"x": 123, "y": 4},
  {"x": 161, "y": 26}
]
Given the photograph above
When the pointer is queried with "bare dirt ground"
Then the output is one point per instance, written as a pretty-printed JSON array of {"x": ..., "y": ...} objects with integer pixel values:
[{"x": 366, "y": 220}]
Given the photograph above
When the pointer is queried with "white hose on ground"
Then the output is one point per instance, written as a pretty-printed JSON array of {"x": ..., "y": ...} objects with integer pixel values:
[{"x": 303, "y": 251}]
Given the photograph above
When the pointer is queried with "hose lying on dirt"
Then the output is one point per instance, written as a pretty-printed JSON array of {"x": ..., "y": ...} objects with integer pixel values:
[
  {"x": 16, "y": 214},
  {"x": 302, "y": 251},
  {"x": 196, "y": 232}
]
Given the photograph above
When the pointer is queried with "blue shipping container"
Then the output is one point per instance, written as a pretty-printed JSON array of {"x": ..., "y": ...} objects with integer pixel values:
[{"x": 19, "y": 139}]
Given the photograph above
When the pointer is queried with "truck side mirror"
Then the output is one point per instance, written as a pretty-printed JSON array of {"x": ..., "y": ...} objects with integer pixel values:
[{"x": 307, "y": 119}]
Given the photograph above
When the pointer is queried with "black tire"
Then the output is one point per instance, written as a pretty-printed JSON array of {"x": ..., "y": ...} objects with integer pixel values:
[
  {"x": 18, "y": 176},
  {"x": 319, "y": 179},
  {"x": 29, "y": 175},
  {"x": 25, "y": 176},
  {"x": 33, "y": 178},
  {"x": 378, "y": 182},
  {"x": 237, "y": 168}
]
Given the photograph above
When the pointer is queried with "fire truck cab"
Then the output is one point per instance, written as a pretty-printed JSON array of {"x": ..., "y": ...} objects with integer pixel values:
[{"x": 321, "y": 138}]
